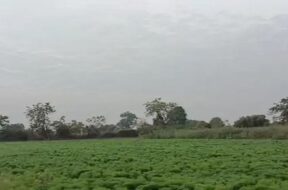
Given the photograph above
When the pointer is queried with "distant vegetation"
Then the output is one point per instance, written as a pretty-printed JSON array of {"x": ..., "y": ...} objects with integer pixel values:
[
  {"x": 169, "y": 121},
  {"x": 270, "y": 132}
]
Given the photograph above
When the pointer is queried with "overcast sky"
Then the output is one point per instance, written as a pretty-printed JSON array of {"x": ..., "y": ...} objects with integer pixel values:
[{"x": 224, "y": 58}]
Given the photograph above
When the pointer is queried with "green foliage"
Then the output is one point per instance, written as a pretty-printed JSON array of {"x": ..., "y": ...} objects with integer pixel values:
[
  {"x": 108, "y": 129},
  {"x": 216, "y": 122},
  {"x": 128, "y": 119},
  {"x": 195, "y": 124},
  {"x": 177, "y": 116},
  {"x": 95, "y": 123},
  {"x": 252, "y": 121},
  {"x": 144, "y": 164},
  {"x": 61, "y": 128},
  {"x": 271, "y": 132},
  {"x": 92, "y": 131},
  {"x": 127, "y": 133},
  {"x": 77, "y": 129},
  {"x": 13, "y": 132},
  {"x": 38, "y": 116},
  {"x": 159, "y": 110},
  {"x": 281, "y": 109}
]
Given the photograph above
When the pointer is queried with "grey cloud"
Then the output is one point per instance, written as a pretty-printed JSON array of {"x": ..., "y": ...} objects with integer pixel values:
[
  {"x": 104, "y": 56},
  {"x": 9, "y": 71}
]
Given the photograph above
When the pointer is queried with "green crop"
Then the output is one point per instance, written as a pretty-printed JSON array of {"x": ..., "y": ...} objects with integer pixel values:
[{"x": 145, "y": 165}]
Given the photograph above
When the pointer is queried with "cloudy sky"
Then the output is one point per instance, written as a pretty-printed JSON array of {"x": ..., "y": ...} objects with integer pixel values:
[{"x": 224, "y": 58}]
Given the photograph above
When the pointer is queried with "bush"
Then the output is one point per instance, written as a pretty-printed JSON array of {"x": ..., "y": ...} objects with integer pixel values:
[
  {"x": 127, "y": 133},
  {"x": 92, "y": 131},
  {"x": 197, "y": 124},
  {"x": 216, "y": 122},
  {"x": 271, "y": 132},
  {"x": 252, "y": 121},
  {"x": 146, "y": 129},
  {"x": 13, "y": 132},
  {"x": 108, "y": 135}
]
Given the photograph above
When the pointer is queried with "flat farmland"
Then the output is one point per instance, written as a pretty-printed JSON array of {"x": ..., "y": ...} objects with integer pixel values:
[{"x": 138, "y": 164}]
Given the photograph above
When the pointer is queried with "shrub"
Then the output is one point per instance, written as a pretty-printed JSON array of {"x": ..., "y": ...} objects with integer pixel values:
[
  {"x": 108, "y": 135},
  {"x": 13, "y": 132},
  {"x": 197, "y": 124},
  {"x": 271, "y": 132},
  {"x": 252, "y": 121},
  {"x": 127, "y": 133},
  {"x": 216, "y": 122}
]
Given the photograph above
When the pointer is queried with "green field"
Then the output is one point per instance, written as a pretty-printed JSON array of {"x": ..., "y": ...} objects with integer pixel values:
[{"x": 145, "y": 165}]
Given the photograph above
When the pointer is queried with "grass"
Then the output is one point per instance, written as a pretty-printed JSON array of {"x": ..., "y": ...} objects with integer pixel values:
[
  {"x": 145, "y": 165},
  {"x": 271, "y": 132}
]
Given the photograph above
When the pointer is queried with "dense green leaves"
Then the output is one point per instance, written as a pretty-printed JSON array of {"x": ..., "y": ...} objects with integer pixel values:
[
  {"x": 177, "y": 116},
  {"x": 165, "y": 113},
  {"x": 10, "y": 132},
  {"x": 128, "y": 119},
  {"x": 159, "y": 110},
  {"x": 14, "y": 132},
  {"x": 145, "y": 164}
]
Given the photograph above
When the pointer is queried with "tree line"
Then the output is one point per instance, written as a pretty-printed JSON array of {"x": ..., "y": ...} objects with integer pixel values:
[{"x": 164, "y": 115}]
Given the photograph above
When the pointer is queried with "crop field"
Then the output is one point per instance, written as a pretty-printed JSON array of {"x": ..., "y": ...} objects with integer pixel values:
[{"x": 138, "y": 164}]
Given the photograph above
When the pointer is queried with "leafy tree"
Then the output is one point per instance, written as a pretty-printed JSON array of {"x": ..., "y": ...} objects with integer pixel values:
[
  {"x": 216, "y": 122},
  {"x": 4, "y": 120},
  {"x": 159, "y": 110},
  {"x": 38, "y": 116},
  {"x": 107, "y": 129},
  {"x": 252, "y": 121},
  {"x": 128, "y": 119},
  {"x": 281, "y": 109},
  {"x": 77, "y": 128},
  {"x": 177, "y": 116},
  {"x": 13, "y": 132},
  {"x": 97, "y": 121},
  {"x": 92, "y": 131},
  {"x": 62, "y": 129}
]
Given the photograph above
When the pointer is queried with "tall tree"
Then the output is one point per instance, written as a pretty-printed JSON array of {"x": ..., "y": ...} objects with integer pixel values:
[
  {"x": 128, "y": 119},
  {"x": 281, "y": 110},
  {"x": 159, "y": 110},
  {"x": 38, "y": 116},
  {"x": 177, "y": 116}
]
